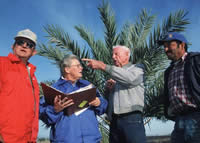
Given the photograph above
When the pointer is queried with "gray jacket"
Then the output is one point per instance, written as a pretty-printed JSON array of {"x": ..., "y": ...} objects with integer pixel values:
[{"x": 128, "y": 92}]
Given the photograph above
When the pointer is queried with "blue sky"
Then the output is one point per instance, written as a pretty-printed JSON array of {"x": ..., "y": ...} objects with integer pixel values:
[{"x": 35, "y": 14}]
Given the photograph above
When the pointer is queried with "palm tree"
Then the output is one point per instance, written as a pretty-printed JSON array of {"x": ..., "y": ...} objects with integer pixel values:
[{"x": 140, "y": 37}]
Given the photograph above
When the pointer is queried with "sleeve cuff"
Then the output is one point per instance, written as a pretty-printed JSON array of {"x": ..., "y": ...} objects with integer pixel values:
[{"x": 108, "y": 68}]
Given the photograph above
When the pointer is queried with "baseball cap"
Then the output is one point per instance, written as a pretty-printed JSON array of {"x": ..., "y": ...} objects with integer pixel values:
[
  {"x": 27, "y": 33},
  {"x": 172, "y": 36}
]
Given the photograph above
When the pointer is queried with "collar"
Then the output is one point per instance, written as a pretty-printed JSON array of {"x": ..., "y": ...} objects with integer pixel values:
[
  {"x": 184, "y": 56},
  {"x": 127, "y": 65},
  {"x": 62, "y": 80},
  {"x": 182, "y": 59},
  {"x": 15, "y": 59}
]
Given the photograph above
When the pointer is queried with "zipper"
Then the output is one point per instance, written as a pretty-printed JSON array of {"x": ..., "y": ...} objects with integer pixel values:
[{"x": 28, "y": 69}]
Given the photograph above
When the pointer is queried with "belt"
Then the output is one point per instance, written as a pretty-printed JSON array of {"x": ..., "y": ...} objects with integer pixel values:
[
  {"x": 189, "y": 111},
  {"x": 126, "y": 114}
]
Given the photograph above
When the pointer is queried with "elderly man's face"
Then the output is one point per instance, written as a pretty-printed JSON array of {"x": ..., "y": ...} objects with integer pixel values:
[
  {"x": 75, "y": 70},
  {"x": 22, "y": 48},
  {"x": 120, "y": 57}
]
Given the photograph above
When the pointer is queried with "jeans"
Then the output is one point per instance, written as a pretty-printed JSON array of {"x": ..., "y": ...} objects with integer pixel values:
[
  {"x": 187, "y": 129},
  {"x": 127, "y": 129}
]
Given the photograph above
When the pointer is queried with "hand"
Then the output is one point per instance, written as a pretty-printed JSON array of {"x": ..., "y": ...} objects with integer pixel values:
[
  {"x": 1, "y": 139},
  {"x": 94, "y": 64},
  {"x": 96, "y": 102},
  {"x": 60, "y": 104},
  {"x": 110, "y": 83}
]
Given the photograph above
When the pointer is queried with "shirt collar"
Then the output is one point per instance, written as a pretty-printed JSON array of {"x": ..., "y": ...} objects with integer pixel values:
[
  {"x": 14, "y": 58},
  {"x": 62, "y": 80},
  {"x": 184, "y": 56},
  {"x": 182, "y": 59},
  {"x": 127, "y": 65}
]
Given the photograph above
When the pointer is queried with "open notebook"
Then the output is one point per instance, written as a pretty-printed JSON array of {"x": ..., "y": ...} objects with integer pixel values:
[{"x": 81, "y": 97}]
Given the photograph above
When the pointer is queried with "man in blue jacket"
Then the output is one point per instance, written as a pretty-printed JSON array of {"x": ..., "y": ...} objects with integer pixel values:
[
  {"x": 79, "y": 127},
  {"x": 182, "y": 89}
]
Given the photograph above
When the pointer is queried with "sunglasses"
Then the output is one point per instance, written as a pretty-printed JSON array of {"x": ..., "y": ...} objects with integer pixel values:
[{"x": 28, "y": 44}]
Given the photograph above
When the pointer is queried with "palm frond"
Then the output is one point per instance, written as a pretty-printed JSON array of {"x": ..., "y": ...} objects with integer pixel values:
[
  {"x": 97, "y": 48},
  {"x": 175, "y": 22},
  {"x": 108, "y": 19},
  {"x": 125, "y": 35},
  {"x": 140, "y": 37},
  {"x": 141, "y": 28},
  {"x": 153, "y": 100},
  {"x": 54, "y": 54}
]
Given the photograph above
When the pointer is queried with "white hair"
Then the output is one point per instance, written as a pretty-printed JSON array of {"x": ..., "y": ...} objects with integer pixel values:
[
  {"x": 66, "y": 62},
  {"x": 124, "y": 48}
]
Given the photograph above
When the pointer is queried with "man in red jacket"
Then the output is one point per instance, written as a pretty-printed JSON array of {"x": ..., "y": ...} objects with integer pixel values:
[{"x": 19, "y": 92}]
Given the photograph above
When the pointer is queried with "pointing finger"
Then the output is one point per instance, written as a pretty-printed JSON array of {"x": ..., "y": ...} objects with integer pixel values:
[{"x": 87, "y": 60}]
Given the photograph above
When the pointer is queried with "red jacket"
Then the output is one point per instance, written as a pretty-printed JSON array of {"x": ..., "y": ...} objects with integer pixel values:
[{"x": 19, "y": 103}]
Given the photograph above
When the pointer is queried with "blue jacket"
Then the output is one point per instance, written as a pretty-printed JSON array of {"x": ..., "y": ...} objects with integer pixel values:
[
  {"x": 192, "y": 77},
  {"x": 72, "y": 129}
]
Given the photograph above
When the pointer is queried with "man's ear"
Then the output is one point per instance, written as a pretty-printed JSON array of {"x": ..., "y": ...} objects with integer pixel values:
[
  {"x": 34, "y": 52},
  {"x": 127, "y": 56},
  {"x": 12, "y": 47},
  {"x": 182, "y": 45},
  {"x": 66, "y": 69}
]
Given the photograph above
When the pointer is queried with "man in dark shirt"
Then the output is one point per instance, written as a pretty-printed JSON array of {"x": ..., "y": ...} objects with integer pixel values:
[{"x": 182, "y": 89}]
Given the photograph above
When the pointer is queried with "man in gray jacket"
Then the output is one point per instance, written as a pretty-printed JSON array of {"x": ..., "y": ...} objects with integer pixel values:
[{"x": 126, "y": 99}]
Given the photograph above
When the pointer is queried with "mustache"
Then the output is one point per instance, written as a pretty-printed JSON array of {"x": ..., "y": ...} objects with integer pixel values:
[{"x": 168, "y": 52}]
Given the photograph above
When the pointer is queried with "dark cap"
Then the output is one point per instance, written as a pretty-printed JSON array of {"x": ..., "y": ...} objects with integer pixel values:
[{"x": 172, "y": 36}]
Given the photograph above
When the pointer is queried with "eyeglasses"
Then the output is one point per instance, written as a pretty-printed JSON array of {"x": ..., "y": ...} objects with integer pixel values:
[
  {"x": 28, "y": 44},
  {"x": 78, "y": 65}
]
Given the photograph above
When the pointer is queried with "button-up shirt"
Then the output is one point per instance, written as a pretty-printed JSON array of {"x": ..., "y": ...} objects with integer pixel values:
[{"x": 179, "y": 95}]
